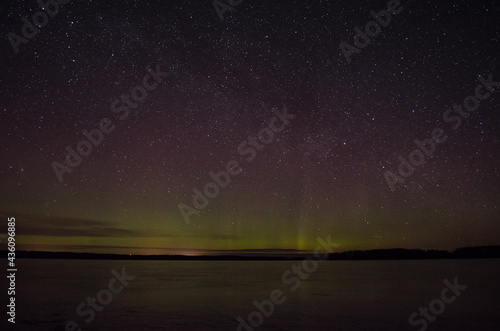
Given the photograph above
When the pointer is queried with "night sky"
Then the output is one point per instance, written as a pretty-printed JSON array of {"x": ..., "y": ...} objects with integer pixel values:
[{"x": 217, "y": 84}]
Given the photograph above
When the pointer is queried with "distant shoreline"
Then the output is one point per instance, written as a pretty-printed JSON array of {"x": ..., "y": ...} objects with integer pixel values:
[{"x": 478, "y": 252}]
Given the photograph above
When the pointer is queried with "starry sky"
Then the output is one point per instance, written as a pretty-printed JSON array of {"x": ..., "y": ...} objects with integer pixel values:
[{"x": 222, "y": 81}]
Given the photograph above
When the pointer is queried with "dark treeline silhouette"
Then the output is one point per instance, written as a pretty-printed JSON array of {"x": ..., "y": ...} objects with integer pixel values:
[
  {"x": 477, "y": 252},
  {"x": 391, "y": 254},
  {"x": 96, "y": 256},
  {"x": 374, "y": 254},
  {"x": 418, "y": 254}
]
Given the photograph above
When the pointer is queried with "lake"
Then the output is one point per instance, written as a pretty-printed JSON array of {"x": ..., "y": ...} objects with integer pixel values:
[{"x": 211, "y": 295}]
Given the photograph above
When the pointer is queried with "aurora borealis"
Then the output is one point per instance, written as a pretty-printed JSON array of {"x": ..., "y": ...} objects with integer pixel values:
[{"x": 222, "y": 83}]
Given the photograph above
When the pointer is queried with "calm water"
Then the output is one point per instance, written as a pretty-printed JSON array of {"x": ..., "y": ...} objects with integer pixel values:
[{"x": 193, "y": 295}]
